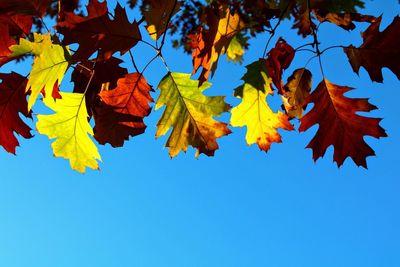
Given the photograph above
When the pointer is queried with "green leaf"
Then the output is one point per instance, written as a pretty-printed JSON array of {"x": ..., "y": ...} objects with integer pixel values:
[{"x": 190, "y": 114}]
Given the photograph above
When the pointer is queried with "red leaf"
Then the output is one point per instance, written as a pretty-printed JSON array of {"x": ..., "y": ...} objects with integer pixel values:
[
  {"x": 105, "y": 75},
  {"x": 343, "y": 20},
  {"x": 339, "y": 125},
  {"x": 12, "y": 102},
  {"x": 279, "y": 59},
  {"x": 26, "y": 7},
  {"x": 11, "y": 28},
  {"x": 379, "y": 50},
  {"x": 98, "y": 32},
  {"x": 123, "y": 110}
]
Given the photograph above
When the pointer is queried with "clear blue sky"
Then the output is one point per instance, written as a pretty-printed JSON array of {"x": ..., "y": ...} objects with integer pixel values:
[{"x": 241, "y": 208}]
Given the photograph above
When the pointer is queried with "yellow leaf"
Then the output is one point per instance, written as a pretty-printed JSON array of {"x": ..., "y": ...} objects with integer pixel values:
[
  {"x": 190, "y": 114},
  {"x": 49, "y": 65},
  {"x": 262, "y": 123},
  {"x": 69, "y": 125}
]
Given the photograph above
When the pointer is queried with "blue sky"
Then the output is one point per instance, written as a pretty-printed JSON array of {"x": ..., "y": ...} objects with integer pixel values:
[{"x": 240, "y": 208}]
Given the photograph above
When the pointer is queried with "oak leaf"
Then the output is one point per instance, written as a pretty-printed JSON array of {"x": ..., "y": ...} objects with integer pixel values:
[
  {"x": 379, "y": 50},
  {"x": 123, "y": 109},
  {"x": 297, "y": 89},
  {"x": 343, "y": 20},
  {"x": 98, "y": 32},
  {"x": 11, "y": 28},
  {"x": 339, "y": 125},
  {"x": 157, "y": 14},
  {"x": 190, "y": 114},
  {"x": 12, "y": 102},
  {"x": 49, "y": 66},
  {"x": 209, "y": 44},
  {"x": 70, "y": 127},
  {"x": 254, "y": 113}
]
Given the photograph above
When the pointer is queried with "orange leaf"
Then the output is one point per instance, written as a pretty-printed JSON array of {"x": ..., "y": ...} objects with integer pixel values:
[{"x": 123, "y": 110}]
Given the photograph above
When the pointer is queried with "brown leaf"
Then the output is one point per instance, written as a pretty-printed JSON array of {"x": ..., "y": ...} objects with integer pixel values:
[
  {"x": 98, "y": 32},
  {"x": 343, "y": 20},
  {"x": 379, "y": 50},
  {"x": 123, "y": 110},
  {"x": 157, "y": 13},
  {"x": 303, "y": 23},
  {"x": 297, "y": 89},
  {"x": 12, "y": 102},
  {"x": 279, "y": 59},
  {"x": 339, "y": 125}
]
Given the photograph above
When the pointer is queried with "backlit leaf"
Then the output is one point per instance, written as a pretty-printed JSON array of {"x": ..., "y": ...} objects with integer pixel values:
[
  {"x": 339, "y": 125},
  {"x": 254, "y": 113},
  {"x": 70, "y": 127},
  {"x": 190, "y": 115},
  {"x": 49, "y": 65}
]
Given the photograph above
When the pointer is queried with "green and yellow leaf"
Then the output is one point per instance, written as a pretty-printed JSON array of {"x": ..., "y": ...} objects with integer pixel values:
[
  {"x": 49, "y": 65},
  {"x": 190, "y": 115},
  {"x": 70, "y": 127},
  {"x": 254, "y": 113}
]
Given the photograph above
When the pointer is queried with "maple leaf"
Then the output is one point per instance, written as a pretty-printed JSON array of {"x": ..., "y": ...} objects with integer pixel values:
[
  {"x": 379, "y": 50},
  {"x": 190, "y": 114},
  {"x": 339, "y": 125},
  {"x": 297, "y": 89},
  {"x": 49, "y": 66},
  {"x": 70, "y": 127},
  {"x": 209, "y": 44},
  {"x": 157, "y": 14},
  {"x": 27, "y": 7},
  {"x": 12, "y": 102},
  {"x": 123, "y": 110},
  {"x": 254, "y": 113},
  {"x": 279, "y": 59},
  {"x": 98, "y": 32}
]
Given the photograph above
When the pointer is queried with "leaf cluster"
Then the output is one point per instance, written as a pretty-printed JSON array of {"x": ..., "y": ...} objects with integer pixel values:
[{"x": 108, "y": 103}]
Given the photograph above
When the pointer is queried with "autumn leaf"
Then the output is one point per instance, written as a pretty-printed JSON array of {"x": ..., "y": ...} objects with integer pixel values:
[
  {"x": 26, "y": 7},
  {"x": 343, "y": 20},
  {"x": 123, "y": 110},
  {"x": 379, "y": 50},
  {"x": 12, "y": 102},
  {"x": 107, "y": 35},
  {"x": 103, "y": 75},
  {"x": 236, "y": 48},
  {"x": 190, "y": 114},
  {"x": 339, "y": 125},
  {"x": 254, "y": 113},
  {"x": 279, "y": 59},
  {"x": 70, "y": 127},
  {"x": 11, "y": 28},
  {"x": 157, "y": 15},
  {"x": 209, "y": 44},
  {"x": 49, "y": 65},
  {"x": 297, "y": 89}
]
